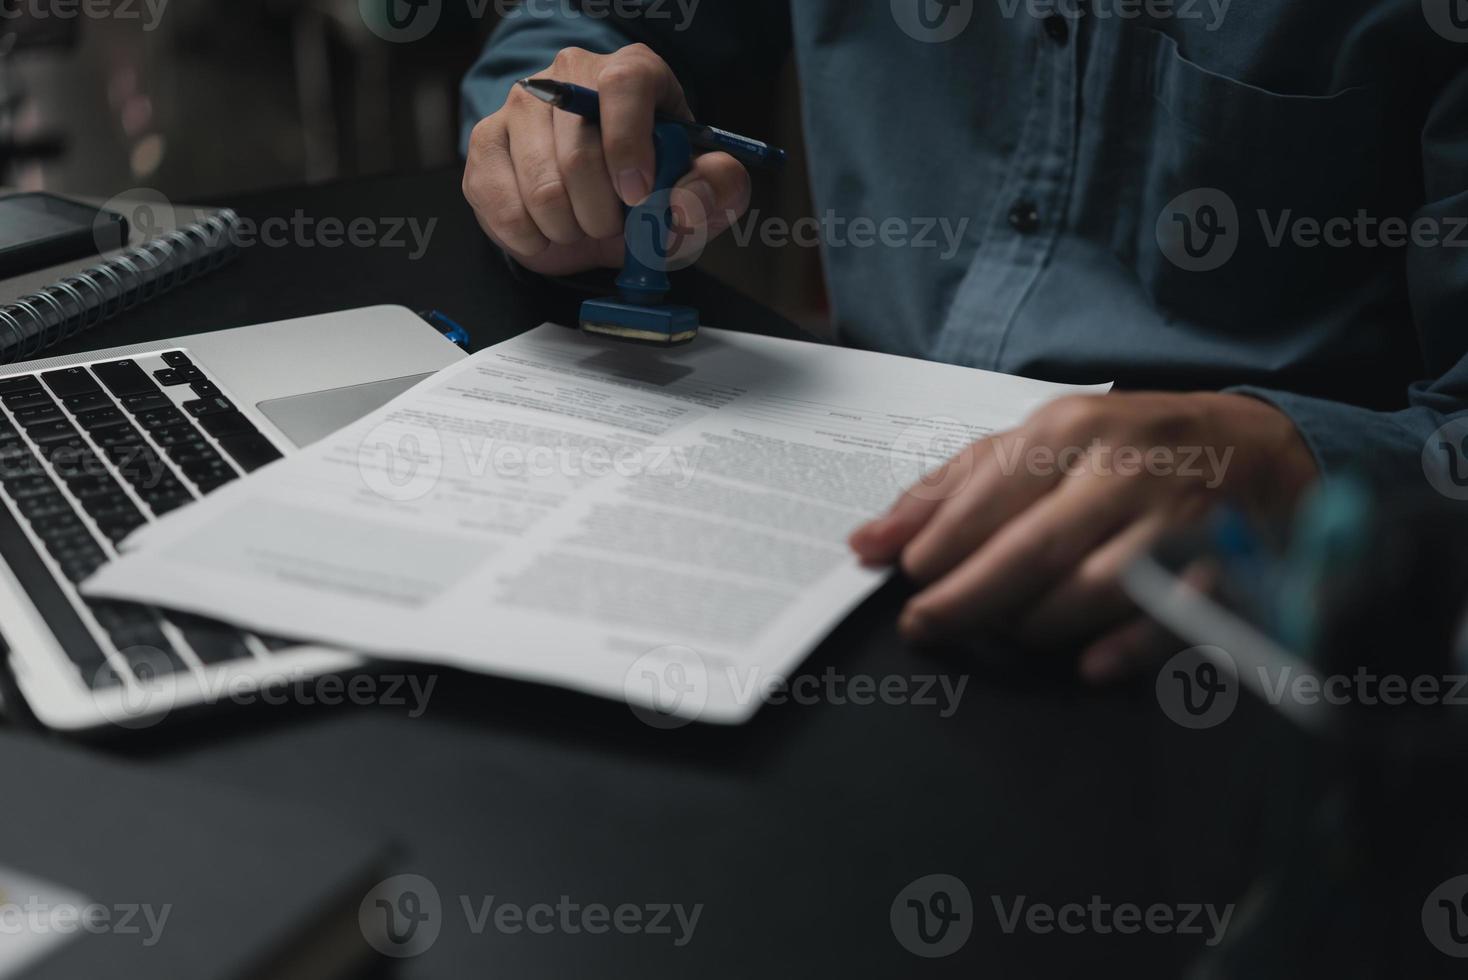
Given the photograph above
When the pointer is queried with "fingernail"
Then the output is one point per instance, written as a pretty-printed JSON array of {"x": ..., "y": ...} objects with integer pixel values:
[{"x": 633, "y": 186}]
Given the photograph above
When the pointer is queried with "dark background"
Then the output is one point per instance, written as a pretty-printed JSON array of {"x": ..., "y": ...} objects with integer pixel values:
[{"x": 216, "y": 98}]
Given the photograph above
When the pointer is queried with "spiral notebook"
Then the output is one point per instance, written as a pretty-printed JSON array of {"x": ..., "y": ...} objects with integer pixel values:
[{"x": 43, "y": 309}]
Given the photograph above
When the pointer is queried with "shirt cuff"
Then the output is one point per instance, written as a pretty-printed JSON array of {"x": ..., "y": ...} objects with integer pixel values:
[{"x": 1348, "y": 439}]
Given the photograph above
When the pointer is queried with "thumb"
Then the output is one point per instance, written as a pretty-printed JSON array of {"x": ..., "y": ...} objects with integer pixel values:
[{"x": 721, "y": 186}]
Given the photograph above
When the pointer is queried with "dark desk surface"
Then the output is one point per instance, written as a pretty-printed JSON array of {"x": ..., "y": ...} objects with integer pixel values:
[{"x": 795, "y": 832}]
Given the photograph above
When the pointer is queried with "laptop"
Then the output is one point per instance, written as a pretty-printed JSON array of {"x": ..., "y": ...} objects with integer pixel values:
[
  {"x": 95, "y": 446},
  {"x": 110, "y": 869}
]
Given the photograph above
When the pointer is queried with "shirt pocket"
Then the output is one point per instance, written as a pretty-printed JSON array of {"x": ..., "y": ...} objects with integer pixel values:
[{"x": 1228, "y": 173}]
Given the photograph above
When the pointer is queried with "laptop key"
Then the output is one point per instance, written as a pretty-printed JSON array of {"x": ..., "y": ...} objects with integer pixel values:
[
  {"x": 19, "y": 467},
  {"x": 27, "y": 399},
  {"x": 160, "y": 418},
  {"x": 32, "y": 488},
  {"x": 201, "y": 407},
  {"x": 184, "y": 453},
  {"x": 169, "y": 494},
  {"x": 172, "y": 435},
  {"x": 100, "y": 418},
  {"x": 81, "y": 461},
  {"x": 251, "y": 451},
  {"x": 146, "y": 401},
  {"x": 124, "y": 378},
  {"x": 78, "y": 551},
  {"x": 69, "y": 382},
  {"x": 87, "y": 403},
  {"x": 25, "y": 382},
  {"x": 47, "y": 432},
  {"x": 89, "y": 483},
  {"x": 40, "y": 508},
  {"x": 145, "y": 469},
  {"x": 117, "y": 435},
  {"x": 171, "y": 377},
  {"x": 207, "y": 470},
  {"x": 177, "y": 358},
  {"x": 226, "y": 424},
  {"x": 37, "y": 414},
  {"x": 205, "y": 389}
]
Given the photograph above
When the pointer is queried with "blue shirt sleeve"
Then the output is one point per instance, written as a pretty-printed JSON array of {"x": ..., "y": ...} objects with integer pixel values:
[
  {"x": 1391, "y": 445},
  {"x": 520, "y": 46},
  {"x": 706, "y": 42}
]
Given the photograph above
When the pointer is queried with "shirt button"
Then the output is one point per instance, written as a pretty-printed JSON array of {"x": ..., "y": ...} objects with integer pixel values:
[
  {"x": 1058, "y": 28},
  {"x": 1024, "y": 217}
]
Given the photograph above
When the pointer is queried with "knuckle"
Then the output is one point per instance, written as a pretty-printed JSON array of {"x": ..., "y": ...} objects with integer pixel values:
[
  {"x": 1070, "y": 415},
  {"x": 513, "y": 223},
  {"x": 628, "y": 73},
  {"x": 582, "y": 160},
  {"x": 484, "y": 135},
  {"x": 570, "y": 58},
  {"x": 549, "y": 195}
]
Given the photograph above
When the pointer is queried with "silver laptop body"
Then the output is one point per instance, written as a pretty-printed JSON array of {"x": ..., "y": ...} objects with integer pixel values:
[{"x": 93, "y": 446}]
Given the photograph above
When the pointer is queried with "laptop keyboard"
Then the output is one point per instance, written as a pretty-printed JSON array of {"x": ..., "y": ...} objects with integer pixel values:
[{"x": 87, "y": 456}]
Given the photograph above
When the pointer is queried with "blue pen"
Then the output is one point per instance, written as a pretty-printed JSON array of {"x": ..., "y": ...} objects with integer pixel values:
[{"x": 586, "y": 103}]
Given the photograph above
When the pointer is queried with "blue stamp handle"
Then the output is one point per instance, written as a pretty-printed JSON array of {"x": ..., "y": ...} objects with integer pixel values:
[{"x": 649, "y": 229}]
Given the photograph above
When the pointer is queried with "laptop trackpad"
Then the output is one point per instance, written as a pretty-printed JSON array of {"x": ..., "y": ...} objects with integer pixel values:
[{"x": 306, "y": 418}]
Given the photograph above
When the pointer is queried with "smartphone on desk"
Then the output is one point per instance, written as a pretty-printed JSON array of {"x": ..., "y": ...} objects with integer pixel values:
[{"x": 41, "y": 230}]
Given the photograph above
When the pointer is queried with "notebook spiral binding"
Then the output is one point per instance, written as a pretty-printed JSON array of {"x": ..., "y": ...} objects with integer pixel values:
[{"x": 78, "y": 303}]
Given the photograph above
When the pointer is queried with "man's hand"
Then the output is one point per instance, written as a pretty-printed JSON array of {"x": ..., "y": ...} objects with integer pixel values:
[
  {"x": 548, "y": 186},
  {"x": 1027, "y": 532}
]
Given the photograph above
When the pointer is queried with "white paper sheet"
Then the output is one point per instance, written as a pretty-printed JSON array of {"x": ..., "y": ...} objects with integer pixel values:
[{"x": 664, "y": 526}]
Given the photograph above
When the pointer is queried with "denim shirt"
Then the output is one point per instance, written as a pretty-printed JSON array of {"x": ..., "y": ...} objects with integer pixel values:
[{"x": 1267, "y": 196}]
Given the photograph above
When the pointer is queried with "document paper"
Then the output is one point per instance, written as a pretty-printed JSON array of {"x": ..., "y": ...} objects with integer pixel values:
[{"x": 665, "y": 526}]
